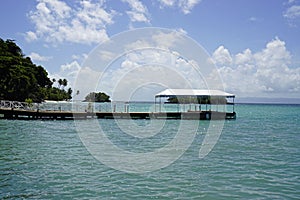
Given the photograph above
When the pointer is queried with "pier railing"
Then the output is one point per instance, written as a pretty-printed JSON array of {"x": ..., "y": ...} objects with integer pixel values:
[
  {"x": 17, "y": 105},
  {"x": 136, "y": 110},
  {"x": 112, "y": 107}
]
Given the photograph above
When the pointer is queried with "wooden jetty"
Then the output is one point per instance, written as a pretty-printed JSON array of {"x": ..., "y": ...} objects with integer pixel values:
[
  {"x": 68, "y": 115},
  {"x": 194, "y": 110}
]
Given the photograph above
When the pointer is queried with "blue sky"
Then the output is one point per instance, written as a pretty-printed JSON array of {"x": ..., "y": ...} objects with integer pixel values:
[{"x": 254, "y": 44}]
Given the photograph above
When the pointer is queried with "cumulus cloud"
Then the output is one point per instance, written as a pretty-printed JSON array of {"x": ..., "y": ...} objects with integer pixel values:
[
  {"x": 149, "y": 68},
  {"x": 138, "y": 12},
  {"x": 266, "y": 72},
  {"x": 86, "y": 21},
  {"x": 31, "y": 36},
  {"x": 222, "y": 56},
  {"x": 37, "y": 57},
  {"x": 56, "y": 21},
  {"x": 184, "y": 5},
  {"x": 148, "y": 64},
  {"x": 263, "y": 73}
]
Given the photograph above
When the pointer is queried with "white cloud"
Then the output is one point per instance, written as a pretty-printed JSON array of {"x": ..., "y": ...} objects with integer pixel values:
[
  {"x": 184, "y": 5},
  {"x": 221, "y": 56},
  {"x": 30, "y": 36},
  {"x": 138, "y": 12},
  {"x": 79, "y": 58},
  {"x": 139, "y": 75},
  {"x": 55, "y": 21},
  {"x": 107, "y": 55},
  {"x": 266, "y": 72},
  {"x": 37, "y": 57},
  {"x": 138, "y": 44},
  {"x": 137, "y": 16},
  {"x": 188, "y": 5},
  {"x": 292, "y": 12},
  {"x": 168, "y": 3},
  {"x": 166, "y": 40},
  {"x": 142, "y": 69},
  {"x": 70, "y": 68},
  {"x": 161, "y": 40},
  {"x": 248, "y": 73},
  {"x": 86, "y": 21},
  {"x": 245, "y": 57},
  {"x": 157, "y": 59}
]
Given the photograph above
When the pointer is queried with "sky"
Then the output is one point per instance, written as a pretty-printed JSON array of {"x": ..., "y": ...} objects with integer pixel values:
[{"x": 254, "y": 45}]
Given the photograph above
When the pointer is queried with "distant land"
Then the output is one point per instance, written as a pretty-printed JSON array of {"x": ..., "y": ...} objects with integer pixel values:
[{"x": 265, "y": 100}]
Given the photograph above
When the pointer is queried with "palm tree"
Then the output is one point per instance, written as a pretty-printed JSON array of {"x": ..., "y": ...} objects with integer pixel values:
[
  {"x": 64, "y": 83},
  {"x": 53, "y": 81},
  {"x": 69, "y": 93},
  {"x": 60, "y": 83}
]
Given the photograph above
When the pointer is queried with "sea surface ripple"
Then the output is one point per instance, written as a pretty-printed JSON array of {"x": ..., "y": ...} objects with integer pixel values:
[{"x": 256, "y": 157}]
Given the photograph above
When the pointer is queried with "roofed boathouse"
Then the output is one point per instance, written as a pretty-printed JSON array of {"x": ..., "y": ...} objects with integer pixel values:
[{"x": 208, "y": 104}]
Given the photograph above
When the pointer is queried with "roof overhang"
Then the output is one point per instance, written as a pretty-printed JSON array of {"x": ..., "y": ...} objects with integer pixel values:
[{"x": 194, "y": 92}]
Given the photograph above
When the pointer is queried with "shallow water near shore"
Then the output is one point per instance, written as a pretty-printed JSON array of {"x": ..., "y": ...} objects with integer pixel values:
[{"x": 256, "y": 157}]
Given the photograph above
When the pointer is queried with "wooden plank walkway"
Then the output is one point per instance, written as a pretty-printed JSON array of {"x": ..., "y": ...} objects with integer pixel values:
[{"x": 6, "y": 113}]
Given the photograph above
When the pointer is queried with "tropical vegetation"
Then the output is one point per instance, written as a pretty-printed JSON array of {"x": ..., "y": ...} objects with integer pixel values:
[
  {"x": 97, "y": 97},
  {"x": 21, "y": 79}
]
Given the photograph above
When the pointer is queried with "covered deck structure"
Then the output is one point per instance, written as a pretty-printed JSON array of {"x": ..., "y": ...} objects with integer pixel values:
[{"x": 209, "y": 104}]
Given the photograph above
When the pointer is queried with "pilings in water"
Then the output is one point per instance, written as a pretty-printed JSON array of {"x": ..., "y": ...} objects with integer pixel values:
[
  {"x": 67, "y": 115},
  {"x": 52, "y": 115}
]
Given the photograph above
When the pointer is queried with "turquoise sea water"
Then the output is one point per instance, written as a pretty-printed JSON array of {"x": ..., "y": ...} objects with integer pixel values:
[{"x": 256, "y": 157}]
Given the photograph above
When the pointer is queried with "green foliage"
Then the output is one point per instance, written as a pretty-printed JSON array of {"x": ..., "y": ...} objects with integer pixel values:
[
  {"x": 97, "y": 97},
  {"x": 29, "y": 101},
  {"x": 57, "y": 94},
  {"x": 21, "y": 79}
]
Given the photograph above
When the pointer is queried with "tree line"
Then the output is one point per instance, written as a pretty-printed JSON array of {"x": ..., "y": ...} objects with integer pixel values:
[{"x": 22, "y": 80}]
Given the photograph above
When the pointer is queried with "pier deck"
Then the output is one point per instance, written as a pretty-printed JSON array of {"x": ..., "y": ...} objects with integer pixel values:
[{"x": 65, "y": 115}]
